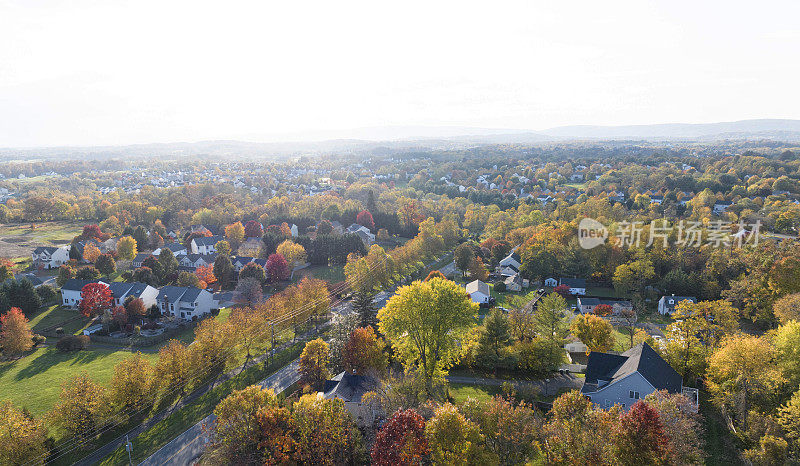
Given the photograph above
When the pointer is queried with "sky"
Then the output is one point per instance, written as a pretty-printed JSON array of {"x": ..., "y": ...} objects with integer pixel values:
[{"x": 116, "y": 72}]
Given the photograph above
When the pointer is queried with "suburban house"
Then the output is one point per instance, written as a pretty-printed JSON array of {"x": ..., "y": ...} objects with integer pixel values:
[
  {"x": 508, "y": 270},
  {"x": 667, "y": 304},
  {"x": 139, "y": 259},
  {"x": 479, "y": 292},
  {"x": 206, "y": 244},
  {"x": 71, "y": 291},
  {"x": 511, "y": 259},
  {"x": 177, "y": 249},
  {"x": 363, "y": 232},
  {"x": 577, "y": 286},
  {"x": 239, "y": 262},
  {"x": 720, "y": 207},
  {"x": 193, "y": 261},
  {"x": 587, "y": 305},
  {"x": 350, "y": 388},
  {"x": 81, "y": 245},
  {"x": 121, "y": 290},
  {"x": 185, "y": 302},
  {"x": 625, "y": 378},
  {"x": 337, "y": 226},
  {"x": 294, "y": 230},
  {"x": 35, "y": 280},
  {"x": 48, "y": 257},
  {"x": 515, "y": 283},
  {"x": 551, "y": 282}
]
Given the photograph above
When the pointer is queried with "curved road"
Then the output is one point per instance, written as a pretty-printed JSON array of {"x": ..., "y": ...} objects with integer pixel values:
[{"x": 188, "y": 446}]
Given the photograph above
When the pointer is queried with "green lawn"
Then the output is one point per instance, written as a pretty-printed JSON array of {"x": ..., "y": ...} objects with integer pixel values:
[
  {"x": 35, "y": 380},
  {"x": 44, "y": 232},
  {"x": 57, "y": 316},
  {"x": 331, "y": 273},
  {"x": 460, "y": 392}
]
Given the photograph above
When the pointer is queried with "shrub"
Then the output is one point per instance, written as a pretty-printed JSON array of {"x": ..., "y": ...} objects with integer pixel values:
[
  {"x": 73, "y": 343},
  {"x": 500, "y": 287},
  {"x": 38, "y": 339}
]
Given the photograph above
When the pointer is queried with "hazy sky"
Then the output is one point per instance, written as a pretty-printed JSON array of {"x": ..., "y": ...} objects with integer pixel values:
[{"x": 112, "y": 72}]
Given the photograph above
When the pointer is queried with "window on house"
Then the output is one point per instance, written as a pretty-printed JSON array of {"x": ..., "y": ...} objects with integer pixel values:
[{"x": 633, "y": 394}]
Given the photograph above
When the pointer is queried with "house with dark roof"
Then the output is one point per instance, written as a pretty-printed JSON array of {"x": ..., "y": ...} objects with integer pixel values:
[
  {"x": 185, "y": 302},
  {"x": 71, "y": 291},
  {"x": 121, "y": 290},
  {"x": 667, "y": 304},
  {"x": 206, "y": 244},
  {"x": 349, "y": 388},
  {"x": 190, "y": 262},
  {"x": 577, "y": 286},
  {"x": 139, "y": 259},
  {"x": 48, "y": 257},
  {"x": 625, "y": 378}
]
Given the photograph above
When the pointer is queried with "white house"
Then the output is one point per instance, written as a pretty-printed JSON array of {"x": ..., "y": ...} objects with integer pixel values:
[
  {"x": 623, "y": 379},
  {"x": 479, "y": 292},
  {"x": 363, "y": 232},
  {"x": 50, "y": 257},
  {"x": 667, "y": 304},
  {"x": 187, "y": 303},
  {"x": 294, "y": 230},
  {"x": 551, "y": 282},
  {"x": 71, "y": 291},
  {"x": 193, "y": 261},
  {"x": 577, "y": 286},
  {"x": 511, "y": 259},
  {"x": 720, "y": 207},
  {"x": 206, "y": 244},
  {"x": 177, "y": 249},
  {"x": 121, "y": 290}
]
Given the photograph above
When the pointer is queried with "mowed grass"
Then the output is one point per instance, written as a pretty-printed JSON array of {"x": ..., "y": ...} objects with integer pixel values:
[
  {"x": 43, "y": 232},
  {"x": 35, "y": 381},
  {"x": 57, "y": 316},
  {"x": 460, "y": 392},
  {"x": 330, "y": 273}
]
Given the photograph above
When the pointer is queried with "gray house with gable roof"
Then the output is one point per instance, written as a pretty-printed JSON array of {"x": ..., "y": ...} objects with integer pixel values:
[
  {"x": 625, "y": 378},
  {"x": 187, "y": 303}
]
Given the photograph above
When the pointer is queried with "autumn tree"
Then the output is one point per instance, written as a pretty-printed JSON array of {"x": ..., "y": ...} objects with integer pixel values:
[
  {"x": 511, "y": 430},
  {"x": 132, "y": 385},
  {"x": 435, "y": 274},
  {"x": 126, "y": 248},
  {"x": 633, "y": 276},
  {"x": 236, "y": 433},
  {"x": 173, "y": 366},
  {"x": 787, "y": 308},
  {"x": 223, "y": 271},
  {"x": 169, "y": 264},
  {"x": 314, "y": 364},
  {"x": 520, "y": 319},
  {"x": 188, "y": 279},
  {"x": 235, "y": 234},
  {"x": 91, "y": 253},
  {"x": 602, "y": 310},
  {"x": 87, "y": 273},
  {"x": 22, "y": 438},
  {"x": 681, "y": 425},
  {"x": 577, "y": 433},
  {"x": 15, "y": 333},
  {"x": 401, "y": 440},
  {"x": 364, "y": 218},
  {"x": 595, "y": 332},
  {"x": 213, "y": 340},
  {"x": 453, "y": 439},
  {"x": 463, "y": 257},
  {"x": 640, "y": 438},
  {"x": 294, "y": 253},
  {"x": 105, "y": 264},
  {"x": 247, "y": 291},
  {"x": 279, "y": 435},
  {"x": 223, "y": 248},
  {"x": 249, "y": 325},
  {"x": 363, "y": 352},
  {"x": 253, "y": 229},
  {"x": 81, "y": 408},
  {"x": 277, "y": 268},
  {"x": 326, "y": 431},
  {"x": 95, "y": 299},
  {"x": 253, "y": 271},
  {"x": 741, "y": 373},
  {"x": 425, "y": 321},
  {"x": 135, "y": 307},
  {"x": 477, "y": 270},
  {"x": 205, "y": 275}
]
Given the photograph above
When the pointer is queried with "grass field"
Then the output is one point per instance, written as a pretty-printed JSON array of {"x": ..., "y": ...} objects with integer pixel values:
[
  {"x": 35, "y": 380},
  {"x": 45, "y": 232},
  {"x": 331, "y": 273},
  {"x": 57, "y": 316},
  {"x": 460, "y": 392}
]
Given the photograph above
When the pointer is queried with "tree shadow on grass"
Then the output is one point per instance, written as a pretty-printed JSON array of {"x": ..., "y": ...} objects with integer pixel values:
[{"x": 51, "y": 357}]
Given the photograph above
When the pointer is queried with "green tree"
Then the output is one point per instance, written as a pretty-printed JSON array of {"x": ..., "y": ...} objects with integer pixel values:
[
  {"x": 126, "y": 248},
  {"x": 550, "y": 319},
  {"x": 463, "y": 256},
  {"x": 105, "y": 264},
  {"x": 494, "y": 341},
  {"x": 169, "y": 264},
  {"x": 425, "y": 321},
  {"x": 223, "y": 270}
]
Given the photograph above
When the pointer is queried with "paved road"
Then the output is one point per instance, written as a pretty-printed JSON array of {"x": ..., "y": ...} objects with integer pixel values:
[
  {"x": 188, "y": 446},
  {"x": 448, "y": 269}
]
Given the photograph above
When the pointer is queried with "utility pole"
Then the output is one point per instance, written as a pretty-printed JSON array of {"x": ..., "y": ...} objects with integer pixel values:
[{"x": 129, "y": 448}]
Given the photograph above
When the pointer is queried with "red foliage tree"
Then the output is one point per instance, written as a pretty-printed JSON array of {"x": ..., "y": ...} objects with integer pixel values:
[
  {"x": 277, "y": 268},
  {"x": 603, "y": 309},
  {"x": 364, "y": 218},
  {"x": 120, "y": 316},
  {"x": 640, "y": 436},
  {"x": 435, "y": 274},
  {"x": 95, "y": 299},
  {"x": 253, "y": 229},
  {"x": 401, "y": 440},
  {"x": 93, "y": 231},
  {"x": 563, "y": 290}
]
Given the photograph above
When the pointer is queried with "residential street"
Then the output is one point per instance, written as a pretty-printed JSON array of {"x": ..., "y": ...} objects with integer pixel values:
[{"x": 190, "y": 445}]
